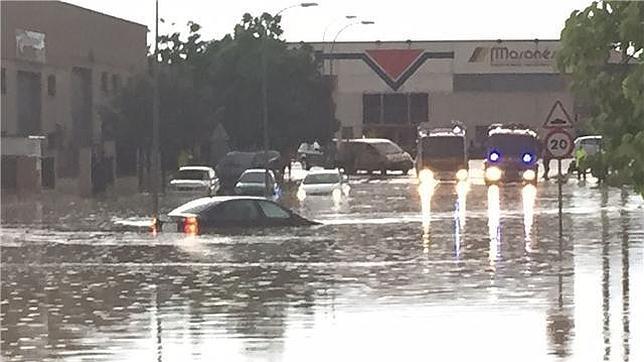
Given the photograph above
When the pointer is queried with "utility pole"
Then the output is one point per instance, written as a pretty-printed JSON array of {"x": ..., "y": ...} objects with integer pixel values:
[
  {"x": 267, "y": 190},
  {"x": 155, "y": 123}
]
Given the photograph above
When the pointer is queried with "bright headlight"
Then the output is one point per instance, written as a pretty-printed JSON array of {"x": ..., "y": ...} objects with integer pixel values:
[
  {"x": 529, "y": 175},
  {"x": 493, "y": 174},
  {"x": 426, "y": 175},
  {"x": 301, "y": 194},
  {"x": 461, "y": 175}
]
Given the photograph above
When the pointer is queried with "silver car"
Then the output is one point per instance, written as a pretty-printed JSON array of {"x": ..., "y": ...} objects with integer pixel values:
[{"x": 196, "y": 179}]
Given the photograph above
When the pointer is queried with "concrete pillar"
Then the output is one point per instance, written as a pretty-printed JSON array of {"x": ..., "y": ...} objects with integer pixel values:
[
  {"x": 28, "y": 177},
  {"x": 85, "y": 171}
]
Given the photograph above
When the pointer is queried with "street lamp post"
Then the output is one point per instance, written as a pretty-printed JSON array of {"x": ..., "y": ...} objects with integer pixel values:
[
  {"x": 155, "y": 123},
  {"x": 267, "y": 190},
  {"x": 348, "y": 17},
  {"x": 361, "y": 22}
]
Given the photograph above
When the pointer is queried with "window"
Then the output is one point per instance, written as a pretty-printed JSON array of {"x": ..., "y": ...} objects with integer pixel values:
[
  {"x": 418, "y": 107},
  {"x": 347, "y": 132},
  {"x": 371, "y": 108},
  {"x": 116, "y": 82},
  {"x": 104, "y": 87},
  {"x": 4, "y": 81},
  {"x": 395, "y": 108},
  {"x": 51, "y": 85},
  {"x": 237, "y": 210},
  {"x": 273, "y": 211}
]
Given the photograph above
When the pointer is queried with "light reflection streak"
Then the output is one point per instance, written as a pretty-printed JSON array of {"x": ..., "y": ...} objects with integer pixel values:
[
  {"x": 494, "y": 219},
  {"x": 426, "y": 191},
  {"x": 460, "y": 211},
  {"x": 528, "y": 195}
]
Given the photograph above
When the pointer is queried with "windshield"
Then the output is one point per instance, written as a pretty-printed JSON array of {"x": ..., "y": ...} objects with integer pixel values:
[
  {"x": 192, "y": 175},
  {"x": 322, "y": 178},
  {"x": 387, "y": 147},
  {"x": 253, "y": 177},
  {"x": 513, "y": 144},
  {"x": 443, "y": 146}
]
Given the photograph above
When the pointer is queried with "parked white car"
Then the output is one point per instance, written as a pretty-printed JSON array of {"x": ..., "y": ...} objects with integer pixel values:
[
  {"x": 324, "y": 182},
  {"x": 197, "y": 179}
]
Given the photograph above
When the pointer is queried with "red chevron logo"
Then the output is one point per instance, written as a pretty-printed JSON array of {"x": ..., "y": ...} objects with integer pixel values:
[{"x": 394, "y": 62}]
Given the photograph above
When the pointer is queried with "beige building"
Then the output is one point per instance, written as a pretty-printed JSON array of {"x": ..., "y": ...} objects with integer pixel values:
[
  {"x": 60, "y": 64},
  {"x": 384, "y": 89}
]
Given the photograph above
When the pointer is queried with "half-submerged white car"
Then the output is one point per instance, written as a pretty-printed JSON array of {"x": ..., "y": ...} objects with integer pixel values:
[
  {"x": 196, "y": 179},
  {"x": 324, "y": 182}
]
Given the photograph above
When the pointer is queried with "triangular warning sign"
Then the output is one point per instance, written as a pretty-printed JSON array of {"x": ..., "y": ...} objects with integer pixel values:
[
  {"x": 558, "y": 117},
  {"x": 394, "y": 61}
]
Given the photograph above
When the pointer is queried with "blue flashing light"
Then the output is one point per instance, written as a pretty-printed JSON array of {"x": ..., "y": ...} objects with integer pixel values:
[
  {"x": 494, "y": 156},
  {"x": 527, "y": 158}
]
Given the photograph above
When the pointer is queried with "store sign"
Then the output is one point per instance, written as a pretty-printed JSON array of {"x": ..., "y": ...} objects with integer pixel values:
[{"x": 513, "y": 56}]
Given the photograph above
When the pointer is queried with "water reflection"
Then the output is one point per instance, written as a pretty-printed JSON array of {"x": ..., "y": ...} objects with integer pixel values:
[
  {"x": 460, "y": 213},
  {"x": 494, "y": 223},
  {"x": 288, "y": 295},
  {"x": 528, "y": 196},
  {"x": 605, "y": 277},
  {"x": 626, "y": 300},
  {"x": 426, "y": 189}
]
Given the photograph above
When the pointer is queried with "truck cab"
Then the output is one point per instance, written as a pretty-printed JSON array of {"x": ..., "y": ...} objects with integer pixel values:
[
  {"x": 443, "y": 152},
  {"x": 512, "y": 152}
]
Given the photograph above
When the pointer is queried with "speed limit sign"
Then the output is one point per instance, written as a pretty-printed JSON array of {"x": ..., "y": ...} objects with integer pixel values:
[{"x": 559, "y": 143}]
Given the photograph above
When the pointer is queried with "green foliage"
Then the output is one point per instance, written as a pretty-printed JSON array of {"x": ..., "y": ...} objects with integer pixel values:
[
  {"x": 205, "y": 83},
  {"x": 602, "y": 48}
]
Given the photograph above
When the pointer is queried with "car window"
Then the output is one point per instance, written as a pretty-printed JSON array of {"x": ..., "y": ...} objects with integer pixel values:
[
  {"x": 192, "y": 175},
  {"x": 236, "y": 210},
  {"x": 273, "y": 211},
  {"x": 322, "y": 178},
  {"x": 254, "y": 177}
]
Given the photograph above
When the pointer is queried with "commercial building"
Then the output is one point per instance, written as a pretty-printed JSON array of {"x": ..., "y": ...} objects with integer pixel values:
[
  {"x": 385, "y": 89},
  {"x": 60, "y": 65}
]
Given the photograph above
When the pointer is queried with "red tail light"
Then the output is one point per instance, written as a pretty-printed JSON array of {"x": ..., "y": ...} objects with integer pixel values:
[{"x": 191, "y": 225}]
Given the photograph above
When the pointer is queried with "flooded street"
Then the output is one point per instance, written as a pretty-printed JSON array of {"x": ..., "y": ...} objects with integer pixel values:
[{"x": 460, "y": 272}]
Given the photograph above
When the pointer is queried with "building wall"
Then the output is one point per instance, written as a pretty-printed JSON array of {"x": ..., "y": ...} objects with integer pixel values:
[
  {"x": 74, "y": 38},
  {"x": 476, "y": 82}
]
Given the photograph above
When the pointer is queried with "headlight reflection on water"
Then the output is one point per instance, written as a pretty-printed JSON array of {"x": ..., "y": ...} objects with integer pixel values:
[
  {"x": 460, "y": 212},
  {"x": 528, "y": 195},
  {"x": 426, "y": 191},
  {"x": 493, "y": 223}
]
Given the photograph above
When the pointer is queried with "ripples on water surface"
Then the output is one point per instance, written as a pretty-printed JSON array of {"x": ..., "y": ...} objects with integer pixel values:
[{"x": 476, "y": 273}]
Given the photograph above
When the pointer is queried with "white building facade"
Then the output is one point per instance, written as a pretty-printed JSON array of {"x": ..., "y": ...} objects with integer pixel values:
[{"x": 384, "y": 89}]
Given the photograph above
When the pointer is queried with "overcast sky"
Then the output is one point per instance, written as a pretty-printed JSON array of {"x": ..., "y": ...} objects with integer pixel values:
[{"x": 394, "y": 20}]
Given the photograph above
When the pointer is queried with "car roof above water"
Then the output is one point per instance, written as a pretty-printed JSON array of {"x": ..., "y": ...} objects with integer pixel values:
[
  {"x": 195, "y": 168},
  {"x": 205, "y": 201}
]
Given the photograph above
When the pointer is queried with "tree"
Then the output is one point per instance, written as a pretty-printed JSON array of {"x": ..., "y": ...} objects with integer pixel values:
[
  {"x": 203, "y": 82},
  {"x": 602, "y": 49},
  {"x": 299, "y": 98}
]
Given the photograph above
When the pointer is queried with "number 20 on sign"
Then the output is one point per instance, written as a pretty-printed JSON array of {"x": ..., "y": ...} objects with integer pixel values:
[{"x": 559, "y": 143}]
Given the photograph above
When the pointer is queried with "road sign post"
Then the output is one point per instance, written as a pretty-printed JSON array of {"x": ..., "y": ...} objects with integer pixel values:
[{"x": 559, "y": 144}]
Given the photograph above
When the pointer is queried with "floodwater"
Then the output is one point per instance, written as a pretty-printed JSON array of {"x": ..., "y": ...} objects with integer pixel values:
[{"x": 459, "y": 273}]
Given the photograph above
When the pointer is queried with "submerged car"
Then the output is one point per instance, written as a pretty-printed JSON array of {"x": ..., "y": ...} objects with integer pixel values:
[
  {"x": 197, "y": 179},
  {"x": 512, "y": 154},
  {"x": 324, "y": 182},
  {"x": 220, "y": 212},
  {"x": 253, "y": 183},
  {"x": 442, "y": 152},
  {"x": 231, "y": 167}
]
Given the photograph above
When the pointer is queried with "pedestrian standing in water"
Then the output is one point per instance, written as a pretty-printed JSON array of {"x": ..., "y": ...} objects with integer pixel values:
[{"x": 546, "y": 157}]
